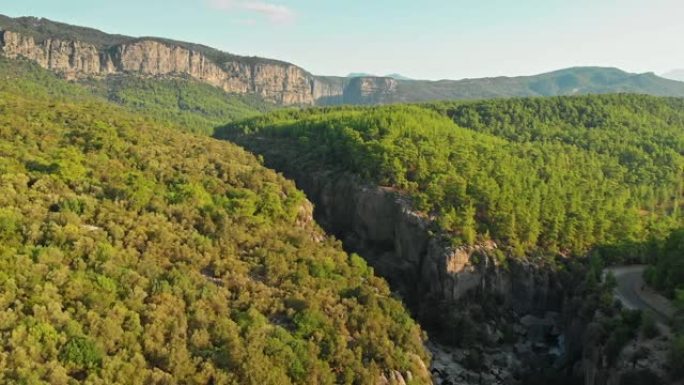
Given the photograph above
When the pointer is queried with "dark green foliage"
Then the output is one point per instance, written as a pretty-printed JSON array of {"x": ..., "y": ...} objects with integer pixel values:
[
  {"x": 667, "y": 273},
  {"x": 644, "y": 134},
  {"x": 621, "y": 329},
  {"x": 649, "y": 328},
  {"x": 81, "y": 353},
  {"x": 532, "y": 174},
  {"x": 132, "y": 253}
]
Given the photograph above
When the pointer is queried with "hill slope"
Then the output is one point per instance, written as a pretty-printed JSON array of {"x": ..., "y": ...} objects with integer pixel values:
[
  {"x": 132, "y": 253},
  {"x": 189, "y": 105}
]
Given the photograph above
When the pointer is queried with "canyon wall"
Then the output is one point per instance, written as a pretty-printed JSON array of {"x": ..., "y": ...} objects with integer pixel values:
[
  {"x": 399, "y": 243},
  {"x": 445, "y": 286}
]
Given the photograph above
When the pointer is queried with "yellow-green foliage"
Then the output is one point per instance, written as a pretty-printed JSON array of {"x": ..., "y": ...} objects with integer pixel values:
[{"x": 131, "y": 253}]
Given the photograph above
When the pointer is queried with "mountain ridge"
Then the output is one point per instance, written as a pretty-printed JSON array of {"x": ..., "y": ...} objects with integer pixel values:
[
  {"x": 676, "y": 74},
  {"x": 79, "y": 53}
]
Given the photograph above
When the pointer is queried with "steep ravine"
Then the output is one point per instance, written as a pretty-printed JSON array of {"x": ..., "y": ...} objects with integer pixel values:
[
  {"x": 491, "y": 318},
  {"x": 514, "y": 310}
]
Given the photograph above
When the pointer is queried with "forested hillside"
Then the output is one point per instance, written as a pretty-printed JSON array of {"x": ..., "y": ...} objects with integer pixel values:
[
  {"x": 569, "y": 81},
  {"x": 552, "y": 175},
  {"x": 133, "y": 253},
  {"x": 187, "y": 104}
]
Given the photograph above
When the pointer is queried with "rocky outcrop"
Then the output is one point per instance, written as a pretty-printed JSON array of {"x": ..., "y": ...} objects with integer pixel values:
[
  {"x": 436, "y": 279},
  {"x": 278, "y": 82},
  {"x": 643, "y": 359},
  {"x": 67, "y": 57},
  {"x": 275, "y": 81},
  {"x": 399, "y": 243},
  {"x": 370, "y": 90}
]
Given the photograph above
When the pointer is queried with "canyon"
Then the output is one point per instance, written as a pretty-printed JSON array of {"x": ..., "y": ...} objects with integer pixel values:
[{"x": 491, "y": 317}]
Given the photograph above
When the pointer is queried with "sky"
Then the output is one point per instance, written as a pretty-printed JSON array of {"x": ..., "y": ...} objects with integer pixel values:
[{"x": 425, "y": 39}]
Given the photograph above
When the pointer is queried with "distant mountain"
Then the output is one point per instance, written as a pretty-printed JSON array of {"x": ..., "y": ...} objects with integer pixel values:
[
  {"x": 398, "y": 77},
  {"x": 368, "y": 75},
  {"x": 80, "y": 53},
  {"x": 677, "y": 74},
  {"x": 571, "y": 81}
]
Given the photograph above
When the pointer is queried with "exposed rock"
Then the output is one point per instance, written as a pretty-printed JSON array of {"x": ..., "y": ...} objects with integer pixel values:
[
  {"x": 380, "y": 224},
  {"x": 370, "y": 90},
  {"x": 277, "y": 82},
  {"x": 641, "y": 360}
]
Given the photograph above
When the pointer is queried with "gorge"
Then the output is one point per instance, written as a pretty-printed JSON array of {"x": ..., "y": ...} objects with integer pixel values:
[{"x": 164, "y": 220}]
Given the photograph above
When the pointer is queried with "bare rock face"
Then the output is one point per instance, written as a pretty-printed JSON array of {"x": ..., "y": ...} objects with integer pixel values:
[
  {"x": 277, "y": 82},
  {"x": 380, "y": 224},
  {"x": 68, "y": 58},
  {"x": 370, "y": 90}
]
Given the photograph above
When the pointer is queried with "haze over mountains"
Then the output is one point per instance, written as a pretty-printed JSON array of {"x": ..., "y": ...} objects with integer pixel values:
[
  {"x": 677, "y": 74},
  {"x": 81, "y": 53}
]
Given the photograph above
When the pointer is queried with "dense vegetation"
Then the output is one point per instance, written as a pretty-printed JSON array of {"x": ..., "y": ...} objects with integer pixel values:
[
  {"x": 547, "y": 181},
  {"x": 667, "y": 275},
  {"x": 187, "y": 104},
  {"x": 195, "y": 106},
  {"x": 132, "y": 253},
  {"x": 667, "y": 272}
]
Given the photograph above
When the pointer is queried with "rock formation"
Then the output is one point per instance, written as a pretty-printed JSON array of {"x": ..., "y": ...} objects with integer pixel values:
[
  {"x": 433, "y": 277},
  {"x": 370, "y": 90},
  {"x": 277, "y": 82},
  {"x": 398, "y": 242}
]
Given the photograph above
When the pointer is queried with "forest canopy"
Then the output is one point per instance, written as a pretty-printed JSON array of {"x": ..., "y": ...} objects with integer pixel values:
[
  {"x": 553, "y": 175},
  {"x": 133, "y": 253}
]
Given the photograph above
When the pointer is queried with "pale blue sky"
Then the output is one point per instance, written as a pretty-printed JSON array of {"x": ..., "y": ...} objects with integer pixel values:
[{"x": 429, "y": 39}]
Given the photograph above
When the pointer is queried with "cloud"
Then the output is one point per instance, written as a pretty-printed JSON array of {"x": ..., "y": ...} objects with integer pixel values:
[{"x": 275, "y": 13}]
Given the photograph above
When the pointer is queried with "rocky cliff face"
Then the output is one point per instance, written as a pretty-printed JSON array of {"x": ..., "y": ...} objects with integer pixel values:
[
  {"x": 379, "y": 223},
  {"x": 442, "y": 284},
  {"x": 278, "y": 82},
  {"x": 370, "y": 90}
]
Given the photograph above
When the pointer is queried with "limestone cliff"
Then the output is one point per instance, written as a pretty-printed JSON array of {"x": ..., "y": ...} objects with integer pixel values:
[
  {"x": 80, "y": 53},
  {"x": 370, "y": 90},
  {"x": 277, "y": 82}
]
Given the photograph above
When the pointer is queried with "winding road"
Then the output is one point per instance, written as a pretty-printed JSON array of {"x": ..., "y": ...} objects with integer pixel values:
[{"x": 632, "y": 291}]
